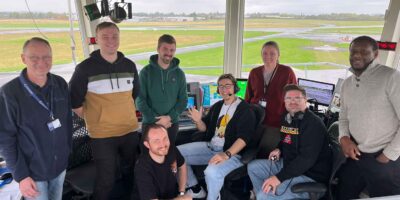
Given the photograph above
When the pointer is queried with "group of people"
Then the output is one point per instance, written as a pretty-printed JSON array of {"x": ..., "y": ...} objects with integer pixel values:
[{"x": 106, "y": 90}]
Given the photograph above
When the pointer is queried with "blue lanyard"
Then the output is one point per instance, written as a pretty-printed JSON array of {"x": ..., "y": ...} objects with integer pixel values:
[{"x": 44, "y": 105}]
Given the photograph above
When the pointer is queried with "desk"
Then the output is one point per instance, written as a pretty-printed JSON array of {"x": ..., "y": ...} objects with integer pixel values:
[{"x": 10, "y": 192}]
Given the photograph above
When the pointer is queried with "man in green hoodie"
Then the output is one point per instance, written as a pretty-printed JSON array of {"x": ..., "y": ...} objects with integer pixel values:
[{"x": 163, "y": 94}]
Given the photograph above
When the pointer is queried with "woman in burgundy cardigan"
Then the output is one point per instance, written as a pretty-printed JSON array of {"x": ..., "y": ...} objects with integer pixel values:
[{"x": 265, "y": 87}]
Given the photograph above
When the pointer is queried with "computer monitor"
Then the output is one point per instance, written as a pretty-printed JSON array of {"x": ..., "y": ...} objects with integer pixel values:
[
  {"x": 210, "y": 95},
  {"x": 191, "y": 101},
  {"x": 242, "y": 84},
  {"x": 320, "y": 93}
]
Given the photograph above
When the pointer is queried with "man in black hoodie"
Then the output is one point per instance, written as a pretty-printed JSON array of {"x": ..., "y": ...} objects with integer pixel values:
[
  {"x": 304, "y": 150},
  {"x": 103, "y": 89}
]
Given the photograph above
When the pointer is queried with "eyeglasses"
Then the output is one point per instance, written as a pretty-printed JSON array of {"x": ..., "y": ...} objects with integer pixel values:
[
  {"x": 37, "y": 58},
  {"x": 296, "y": 99},
  {"x": 227, "y": 86}
]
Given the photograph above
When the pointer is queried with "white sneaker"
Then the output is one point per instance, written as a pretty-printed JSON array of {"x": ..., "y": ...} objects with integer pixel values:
[{"x": 199, "y": 195}]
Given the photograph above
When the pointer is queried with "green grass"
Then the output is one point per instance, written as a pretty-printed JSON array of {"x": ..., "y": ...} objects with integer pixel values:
[
  {"x": 292, "y": 51},
  {"x": 132, "y": 41},
  {"x": 366, "y": 31}
]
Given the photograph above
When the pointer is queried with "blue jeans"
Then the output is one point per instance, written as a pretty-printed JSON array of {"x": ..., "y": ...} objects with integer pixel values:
[
  {"x": 50, "y": 190},
  {"x": 198, "y": 153},
  {"x": 260, "y": 170}
]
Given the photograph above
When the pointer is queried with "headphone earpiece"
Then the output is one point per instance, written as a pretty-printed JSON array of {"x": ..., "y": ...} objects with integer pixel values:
[{"x": 298, "y": 116}]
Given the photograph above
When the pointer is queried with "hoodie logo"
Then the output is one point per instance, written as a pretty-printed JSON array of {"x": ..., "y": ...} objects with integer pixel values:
[{"x": 173, "y": 79}]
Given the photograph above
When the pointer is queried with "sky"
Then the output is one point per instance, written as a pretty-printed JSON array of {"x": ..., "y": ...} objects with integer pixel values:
[{"x": 308, "y": 7}]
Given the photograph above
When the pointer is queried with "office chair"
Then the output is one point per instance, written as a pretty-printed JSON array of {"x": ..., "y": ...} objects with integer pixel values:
[
  {"x": 239, "y": 176},
  {"x": 316, "y": 189},
  {"x": 81, "y": 171}
]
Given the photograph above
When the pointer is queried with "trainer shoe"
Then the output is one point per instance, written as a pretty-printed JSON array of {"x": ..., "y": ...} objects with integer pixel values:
[{"x": 199, "y": 195}]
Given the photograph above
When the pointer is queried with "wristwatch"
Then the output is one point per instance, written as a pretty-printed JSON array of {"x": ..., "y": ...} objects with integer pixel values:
[{"x": 228, "y": 153}]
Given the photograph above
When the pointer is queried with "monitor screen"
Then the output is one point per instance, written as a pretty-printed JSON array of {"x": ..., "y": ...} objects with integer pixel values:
[
  {"x": 191, "y": 101},
  {"x": 320, "y": 92},
  {"x": 242, "y": 84},
  {"x": 210, "y": 95}
]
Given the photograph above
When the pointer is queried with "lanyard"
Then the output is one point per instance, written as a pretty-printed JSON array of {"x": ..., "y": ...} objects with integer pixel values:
[
  {"x": 44, "y": 105},
  {"x": 269, "y": 82}
]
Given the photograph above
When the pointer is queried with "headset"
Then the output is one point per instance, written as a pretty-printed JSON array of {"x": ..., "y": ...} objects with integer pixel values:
[
  {"x": 233, "y": 79},
  {"x": 298, "y": 116}
]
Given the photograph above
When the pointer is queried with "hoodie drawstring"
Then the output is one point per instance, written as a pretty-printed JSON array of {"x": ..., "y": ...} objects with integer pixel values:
[
  {"x": 116, "y": 74},
  {"x": 112, "y": 86}
]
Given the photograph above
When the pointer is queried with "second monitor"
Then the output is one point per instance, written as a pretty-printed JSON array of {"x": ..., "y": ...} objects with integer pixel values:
[{"x": 320, "y": 93}]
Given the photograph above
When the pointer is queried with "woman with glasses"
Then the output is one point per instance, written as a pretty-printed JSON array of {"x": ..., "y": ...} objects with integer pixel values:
[
  {"x": 265, "y": 87},
  {"x": 228, "y": 127}
]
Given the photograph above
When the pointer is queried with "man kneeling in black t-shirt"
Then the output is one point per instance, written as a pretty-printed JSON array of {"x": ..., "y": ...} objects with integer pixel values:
[{"x": 157, "y": 171}]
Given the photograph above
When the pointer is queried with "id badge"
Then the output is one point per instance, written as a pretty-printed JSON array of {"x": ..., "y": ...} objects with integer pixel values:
[
  {"x": 262, "y": 103},
  {"x": 53, "y": 125}
]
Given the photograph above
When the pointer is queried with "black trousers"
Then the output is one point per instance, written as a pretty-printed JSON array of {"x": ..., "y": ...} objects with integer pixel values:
[
  {"x": 106, "y": 154},
  {"x": 367, "y": 173}
]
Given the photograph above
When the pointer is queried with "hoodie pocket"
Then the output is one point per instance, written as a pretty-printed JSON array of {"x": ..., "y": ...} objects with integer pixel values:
[{"x": 118, "y": 114}]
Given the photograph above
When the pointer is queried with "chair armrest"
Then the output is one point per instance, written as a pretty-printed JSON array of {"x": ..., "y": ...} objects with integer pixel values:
[
  {"x": 249, "y": 155},
  {"x": 198, "y": 136},
  {"x": 309, "y": 187}
]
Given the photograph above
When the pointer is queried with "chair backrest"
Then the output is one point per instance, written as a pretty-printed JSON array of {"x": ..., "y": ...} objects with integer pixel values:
[
  {"x": 81, "y": 151},
  {"x": 337, "y": 156},
  {"x": 333, "y": 132},
  {"x": 259, "y": 113}
]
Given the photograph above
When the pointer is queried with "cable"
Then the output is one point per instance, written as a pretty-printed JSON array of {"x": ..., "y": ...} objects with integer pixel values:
[
  {"x": 33, "y": 19},
  {"x": 269, "y": 172}
]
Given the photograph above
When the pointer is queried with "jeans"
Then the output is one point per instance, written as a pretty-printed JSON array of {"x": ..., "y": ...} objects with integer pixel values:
[
  {"x": 50, "y": 190},
  {"x": 260, "y": 170},
  {"x": 198, "y": 153},
  {"x": 106, "y": 152}
]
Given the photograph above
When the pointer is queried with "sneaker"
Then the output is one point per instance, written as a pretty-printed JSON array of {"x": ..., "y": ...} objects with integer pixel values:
[
  {"x": 252, "y": 195},
  {"x": 199, "y": 195}
]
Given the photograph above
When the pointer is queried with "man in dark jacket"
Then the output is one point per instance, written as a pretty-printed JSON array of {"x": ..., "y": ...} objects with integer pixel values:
[
  {"x": 103, "y": 90},
  {"x": 163, "y": 94},
  {"x": 304, "y": 149},
  {"x": 229, "y": 127},
  {"x": 36, "y": 124}
]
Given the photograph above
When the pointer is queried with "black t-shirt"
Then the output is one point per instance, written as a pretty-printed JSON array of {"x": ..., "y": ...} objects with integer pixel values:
[{"x": 155, "y": 180}]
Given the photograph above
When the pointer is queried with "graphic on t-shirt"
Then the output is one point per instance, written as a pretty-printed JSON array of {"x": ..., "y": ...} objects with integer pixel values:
[
  {"x": 288, "y": 139},
  {"x": 221, "y": 125}
]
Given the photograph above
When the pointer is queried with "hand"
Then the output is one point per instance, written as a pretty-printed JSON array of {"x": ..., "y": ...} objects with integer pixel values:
[
  {"x": 218, "y": 158},
  {"x": 184, "y": 197},
  {"x": 28, "y": 188},
  {"x": 276, "y": 153},
  {"x": 164, "y": 120},
  {"x": 271, "y": 184},
  {"x": 349, "y": 148},
  {"x": 196, "y": 114},
  {"x": 382, "y": 158}
]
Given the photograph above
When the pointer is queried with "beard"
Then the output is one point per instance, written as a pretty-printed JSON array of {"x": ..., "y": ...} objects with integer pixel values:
[{"x": 362, "y": 69}]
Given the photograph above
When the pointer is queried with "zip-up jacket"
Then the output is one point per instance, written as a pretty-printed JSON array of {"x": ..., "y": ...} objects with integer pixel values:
[
  {"x": 305, "y": 149},
  {"x": 29, "y": 147},
  {"x": 106, "y": 91},
  {"x": 163, "y": 91}
]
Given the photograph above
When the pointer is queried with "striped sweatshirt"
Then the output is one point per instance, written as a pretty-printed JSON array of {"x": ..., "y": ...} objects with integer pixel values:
[{"x": 107, "y": 92}]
